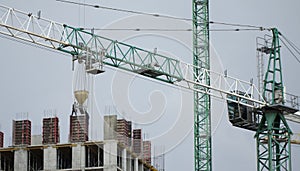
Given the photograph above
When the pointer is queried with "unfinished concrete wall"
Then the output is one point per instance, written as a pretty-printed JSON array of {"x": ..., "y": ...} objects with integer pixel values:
[
  {"x": 21, "y": 160},
  {"x": 36, "y": 140},
  {"x": 128, "y": 161},
  {"x": 110, "y": 127},
  {"x": 110, "y": 155},
  {"x": 78, "y": 157},
  {"x": 50, "y": 162},
  {"x": 124, "y": 160},
  {"x": 136, "y": 164}
]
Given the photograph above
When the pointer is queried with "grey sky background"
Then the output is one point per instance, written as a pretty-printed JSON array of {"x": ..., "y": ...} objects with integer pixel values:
[{"x": 34, "y": 80}]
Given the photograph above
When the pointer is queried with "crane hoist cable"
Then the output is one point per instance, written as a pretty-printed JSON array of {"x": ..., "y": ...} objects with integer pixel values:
[
  {"x": 293, "y": 54},
  {"x": 239, "y": 25},
  {"x": 292, "y": 44},
  {"x": 167, "y": 30},
  {"x": 296, "y": 49},
  {"x": 160, "y": 15},
  {"x": 124, "y": 10}
]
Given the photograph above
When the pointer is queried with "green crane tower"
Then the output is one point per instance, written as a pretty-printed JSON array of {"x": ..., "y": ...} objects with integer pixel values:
[
  {"x": 202, "y": 102},
  {"x": 273, "y": 133}
]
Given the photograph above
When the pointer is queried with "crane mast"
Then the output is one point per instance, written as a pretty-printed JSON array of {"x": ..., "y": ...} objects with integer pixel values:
[
  {"x": 273, "y": 135},
  {"x": 202, "y": 101}
]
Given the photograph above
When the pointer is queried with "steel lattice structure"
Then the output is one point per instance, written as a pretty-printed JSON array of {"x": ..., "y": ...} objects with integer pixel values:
[
  {"x": 202, "y": 101},
  {"x": 97, "y": 51},
  {"x": 273, "y": 136}
]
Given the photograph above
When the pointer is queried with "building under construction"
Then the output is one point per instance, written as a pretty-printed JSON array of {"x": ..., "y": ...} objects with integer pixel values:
[
  {"x": 21, "y": 132},
  {"x": 109, "y": 154},
  {"x": 120, "y": 150},
  {"x": 51, "y": 130},
  {"x": 124, "y": 131},
  {"x": 147, "y": 151},
  {"x": 137, "y": 141},
  {"x": 79, "y": 125}
]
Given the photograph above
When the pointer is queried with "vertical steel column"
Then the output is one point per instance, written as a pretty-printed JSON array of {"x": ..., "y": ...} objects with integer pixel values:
[
  {"x": 273, "y": 134},
  {"x": 273, "y": 143},
  {"x": 273, "y": 84},
  {"x": 202, "y": 118}
]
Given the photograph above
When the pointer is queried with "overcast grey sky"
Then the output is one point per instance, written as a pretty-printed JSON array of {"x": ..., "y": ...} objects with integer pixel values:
[{"x": 34, "y": 79}]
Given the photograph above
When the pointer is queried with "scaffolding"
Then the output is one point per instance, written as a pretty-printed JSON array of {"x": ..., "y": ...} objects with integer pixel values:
[
  {"x": 51, "y": 130},
  {"x": 137, "y": 141},
  {"x": 21, "y": 132},
  {"x": 147, "y": 152},
  {"x": 124, "y": 132},
  {"x": 79, "y": 125}
]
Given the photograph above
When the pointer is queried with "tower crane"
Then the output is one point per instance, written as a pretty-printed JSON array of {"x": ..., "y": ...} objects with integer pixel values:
[
  {"x": 269, "y": 121},
  {"x": 247, "y": 108},
  {"x": 202, "y": 101}
]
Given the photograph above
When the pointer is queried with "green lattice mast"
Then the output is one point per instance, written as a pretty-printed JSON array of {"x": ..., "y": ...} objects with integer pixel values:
[
  {"x": 202, "y": 118},
  {"x": 273, "y": 134}
]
